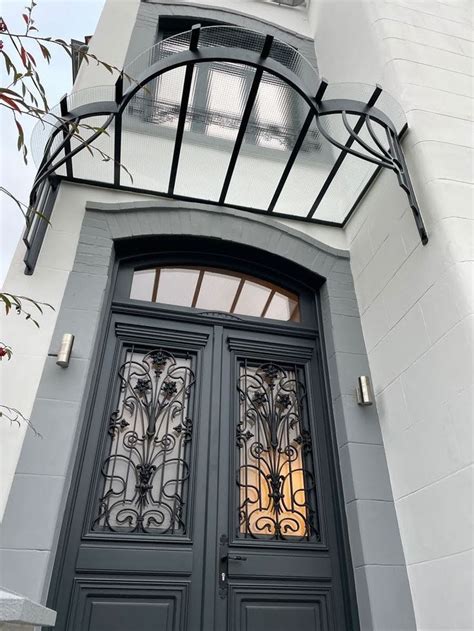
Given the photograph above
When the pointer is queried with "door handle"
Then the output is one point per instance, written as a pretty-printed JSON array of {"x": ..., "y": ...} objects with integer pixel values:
[
  {"x": 236, "y": 557},
  {"x": 233, "y": 557}
]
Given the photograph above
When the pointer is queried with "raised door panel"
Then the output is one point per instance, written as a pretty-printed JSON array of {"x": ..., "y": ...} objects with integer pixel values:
[
  {"x": 128, "y": 605},
  {"x": 260, "y": 608}
]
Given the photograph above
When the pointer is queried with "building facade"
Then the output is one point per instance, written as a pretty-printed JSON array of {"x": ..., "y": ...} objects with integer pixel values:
[{"x": 260, "y": 226}]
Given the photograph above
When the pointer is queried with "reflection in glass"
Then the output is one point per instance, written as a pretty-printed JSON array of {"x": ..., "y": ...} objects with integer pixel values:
[{"x": 215, "y": 290}]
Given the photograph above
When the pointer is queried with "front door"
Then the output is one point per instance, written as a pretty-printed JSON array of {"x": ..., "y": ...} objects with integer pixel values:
[{"x": 204, "y": 497}]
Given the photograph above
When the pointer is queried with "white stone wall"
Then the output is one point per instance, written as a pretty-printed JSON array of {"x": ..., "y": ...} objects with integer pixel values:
[{"x": 417, "y": 302}]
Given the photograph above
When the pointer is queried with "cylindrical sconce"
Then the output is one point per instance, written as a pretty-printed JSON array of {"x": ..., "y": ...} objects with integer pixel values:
[
  {"x": 64, "y": 353},
  {"x": 364, "y": 391}
]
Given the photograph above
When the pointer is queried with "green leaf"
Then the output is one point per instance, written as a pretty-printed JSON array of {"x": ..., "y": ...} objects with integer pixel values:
[
  {"x": 8, "y": 63},
  {"x": 21, "y": 135},
  {"x": 45, "y": 52},
  {"x": 8, "y": 304}
]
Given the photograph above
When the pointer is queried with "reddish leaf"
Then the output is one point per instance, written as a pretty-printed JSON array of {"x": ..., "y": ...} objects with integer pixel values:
[
  {"x": 31, "y": 58},
  {"x": 23, "y": 56},
  {"x": 9, "y": 101},
  {"x": 26, "y": 18}
]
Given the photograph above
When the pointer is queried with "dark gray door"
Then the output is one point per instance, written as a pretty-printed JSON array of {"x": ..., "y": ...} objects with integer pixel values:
[{"x": 204, "y": 497}]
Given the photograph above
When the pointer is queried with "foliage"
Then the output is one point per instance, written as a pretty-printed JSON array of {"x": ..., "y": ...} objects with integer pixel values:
[{"x": 23, "y": 94}]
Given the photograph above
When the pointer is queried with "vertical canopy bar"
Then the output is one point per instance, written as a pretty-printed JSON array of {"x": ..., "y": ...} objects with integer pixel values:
[
  {"x": 183, "y": 110},
  {"x": 291, "y": 160},
  {"x": 340, "y": 159},
  {"x": 267, "y": 45},
  {"x": 245, "y": 119},
  {"x": 118, "y": 131},
  {"x": 41, "y": 223},
  {"x": 321, "y": 90},
  {"x": 296, "y": 149},
  {"x": 67, "y": 143},
  {"x": 194, "y": 41}
]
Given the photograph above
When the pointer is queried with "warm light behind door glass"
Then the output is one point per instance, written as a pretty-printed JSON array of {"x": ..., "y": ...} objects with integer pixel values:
[{"x": 274, "y": 470}]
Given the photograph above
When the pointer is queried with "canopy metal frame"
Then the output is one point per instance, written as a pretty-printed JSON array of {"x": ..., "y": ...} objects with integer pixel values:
[{"x": 46, "y": 182}]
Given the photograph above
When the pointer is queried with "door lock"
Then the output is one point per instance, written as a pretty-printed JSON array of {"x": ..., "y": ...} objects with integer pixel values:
[{"x": 224, "y": 558}]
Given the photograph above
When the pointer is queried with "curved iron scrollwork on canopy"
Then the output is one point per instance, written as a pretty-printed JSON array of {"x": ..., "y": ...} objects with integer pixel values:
[
  {"x": 275, "y": 474},
  {"x": 370, "y": 134},
  {"x": 145, "y": 473}
]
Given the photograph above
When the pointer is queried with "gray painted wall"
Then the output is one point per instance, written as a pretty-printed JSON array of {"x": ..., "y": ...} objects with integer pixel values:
[{"x": 30, "y": 531}]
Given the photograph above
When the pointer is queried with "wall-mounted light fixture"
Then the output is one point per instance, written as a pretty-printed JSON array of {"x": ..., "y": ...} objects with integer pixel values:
[
  {"x": 364, "y": 391},
  {"x": 64, "y": 353}
]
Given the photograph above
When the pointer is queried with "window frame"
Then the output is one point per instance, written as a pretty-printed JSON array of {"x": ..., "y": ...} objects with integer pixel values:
[
  {"x": 274, "y": 290},
  {"x": 169, "y": 26},
  {"x": 145, "y": 253}
]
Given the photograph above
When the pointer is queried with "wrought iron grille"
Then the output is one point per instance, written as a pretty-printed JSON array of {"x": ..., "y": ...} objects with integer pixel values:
[
  {"x": 145, "y": 474},
  {"x": 275, "y": 474}
]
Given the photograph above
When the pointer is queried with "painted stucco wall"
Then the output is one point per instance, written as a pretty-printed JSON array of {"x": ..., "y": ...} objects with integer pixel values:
[{"x": 416, "y": 302}]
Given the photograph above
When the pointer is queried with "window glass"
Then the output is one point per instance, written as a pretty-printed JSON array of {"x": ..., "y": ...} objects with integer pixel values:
[
  {"x": 176, "y": 286},
  {"x": 217, "y": 291},
  {"x": 142, "y": 284},
  {"x": 218, "y": 92},
  {"x": 213, "y": 289},
  {"x": 252, "y": 299}
]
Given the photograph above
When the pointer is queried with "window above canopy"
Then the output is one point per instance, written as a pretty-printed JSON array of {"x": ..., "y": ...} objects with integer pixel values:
[{"x": 214, "y": 289}]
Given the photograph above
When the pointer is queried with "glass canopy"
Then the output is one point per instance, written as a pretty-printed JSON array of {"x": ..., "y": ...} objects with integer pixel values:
[{"x": 225, "y": 116}]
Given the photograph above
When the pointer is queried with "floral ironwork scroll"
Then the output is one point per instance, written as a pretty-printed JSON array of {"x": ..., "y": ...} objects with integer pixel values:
[
  {"x": 275, "y": 475},
  {"x": 146, "y": 471}
]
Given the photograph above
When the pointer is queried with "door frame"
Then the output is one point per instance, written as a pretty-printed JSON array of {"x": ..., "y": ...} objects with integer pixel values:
[{"x": 205, "y": 251}]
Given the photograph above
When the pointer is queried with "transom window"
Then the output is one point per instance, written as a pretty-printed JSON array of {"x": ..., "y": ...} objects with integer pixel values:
[{"x": 214, "y": 289}]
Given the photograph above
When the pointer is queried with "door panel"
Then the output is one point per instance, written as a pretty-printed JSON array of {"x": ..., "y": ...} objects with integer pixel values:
[
  {"x": 126, "y": 605},
  {"x": 134, "y": 550},
  {"x": 279, "y": 549},
  {"x": 255, "y": 608},
  {"x": 204, "y": 499}
]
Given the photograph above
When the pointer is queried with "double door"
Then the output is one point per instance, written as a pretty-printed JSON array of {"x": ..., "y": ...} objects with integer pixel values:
[{"x": 204, "y": 494}]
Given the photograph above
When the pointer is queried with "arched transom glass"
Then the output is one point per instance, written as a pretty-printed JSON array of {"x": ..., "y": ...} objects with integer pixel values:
[{"x": 214, "y": 289}]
